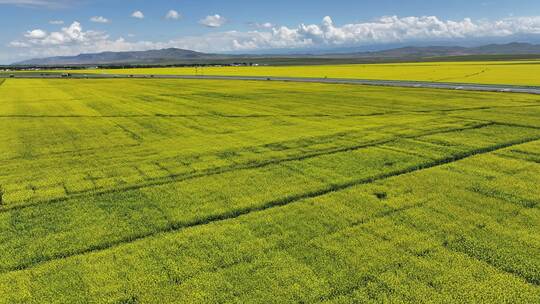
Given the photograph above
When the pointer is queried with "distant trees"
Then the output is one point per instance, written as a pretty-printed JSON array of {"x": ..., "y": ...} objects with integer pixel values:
[{"x": 126, "y": 66}]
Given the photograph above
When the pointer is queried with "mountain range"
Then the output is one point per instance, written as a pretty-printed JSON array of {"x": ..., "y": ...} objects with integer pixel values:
[
  {"x": 180, "y": 56},
  {"x": 442, "y": 51}
]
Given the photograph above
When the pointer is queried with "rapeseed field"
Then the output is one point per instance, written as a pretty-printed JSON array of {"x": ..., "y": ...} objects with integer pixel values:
[
  {"x": 481, "y": 72},
  {"x": 157, "y": 191}
]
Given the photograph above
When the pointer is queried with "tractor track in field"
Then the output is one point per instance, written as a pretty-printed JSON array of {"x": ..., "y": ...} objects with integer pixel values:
[
  {"x": 465, "y": 76},
  {"x": 450, "y": 246},
  {"x": 398, "y": 112},
  {"x": 234, "y": 214},
  {"x": 361, "y": 222},
  {"x": 515, "y": 125},
  {"x": 208, "y": 115},
  {"x": 520, "y": 158},
  {"x": 246, "y": 166},
  {"x": 475, "y": 108},
  {"x": 370, "y": 82},
  {"x": 532, "y": 280}
]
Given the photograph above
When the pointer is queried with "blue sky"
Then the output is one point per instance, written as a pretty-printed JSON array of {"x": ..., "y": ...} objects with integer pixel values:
[{"x": 28, "y": 29}]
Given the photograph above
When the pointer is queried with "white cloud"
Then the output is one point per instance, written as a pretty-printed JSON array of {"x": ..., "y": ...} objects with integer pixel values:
[
  {"x": 99, "y": 19},
  {"x": 56, "y": 22},
  {"x": 19, "y": 44},
  {"x": 172, "y": 14},
  {"x": 36, "y": 34},
  {"x": 390, "y": 29},
  {"x": 213, "y": 21},
  {"x": 264, "y": 25},
  {"x": 73, "y": 39},
  {"x": 72, "y": 35},
  {"x": 138, "y": 15}
]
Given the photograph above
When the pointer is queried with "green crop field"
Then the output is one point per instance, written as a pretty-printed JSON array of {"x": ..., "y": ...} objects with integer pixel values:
[
  {"x": 206, "y": 191},
  {"x": 483, "y": 72}
]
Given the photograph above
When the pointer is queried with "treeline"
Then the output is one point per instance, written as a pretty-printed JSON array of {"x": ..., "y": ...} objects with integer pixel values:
[{"x": 120, "y": 66}]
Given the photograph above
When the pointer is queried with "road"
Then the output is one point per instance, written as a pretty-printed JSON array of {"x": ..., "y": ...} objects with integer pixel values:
[{"x": 386, "y": 83}]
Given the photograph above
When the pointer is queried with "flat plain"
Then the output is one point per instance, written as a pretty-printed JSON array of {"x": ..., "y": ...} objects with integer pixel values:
[
  {"x": 156, "y": 191},
  {"x": 478, "y": 72}
]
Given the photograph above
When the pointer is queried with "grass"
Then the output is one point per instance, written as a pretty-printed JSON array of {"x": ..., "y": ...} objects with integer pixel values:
[
  {"x": 481, "y": 72},
  {"x": 145, "y": 191}
]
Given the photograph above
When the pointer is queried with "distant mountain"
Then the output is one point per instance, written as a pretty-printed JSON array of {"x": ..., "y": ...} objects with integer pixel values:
[
  {"x": 177, "y": 56},
  {"x": 444, "y": 51},
  {"x": 139, "y": 57}
]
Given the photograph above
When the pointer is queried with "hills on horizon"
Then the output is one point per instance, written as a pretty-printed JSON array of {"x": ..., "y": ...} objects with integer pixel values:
[{"x": 181, "y": 56}]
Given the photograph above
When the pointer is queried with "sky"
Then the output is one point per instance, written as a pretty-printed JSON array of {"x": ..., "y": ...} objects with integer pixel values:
[{"x": 42, "y": 28}]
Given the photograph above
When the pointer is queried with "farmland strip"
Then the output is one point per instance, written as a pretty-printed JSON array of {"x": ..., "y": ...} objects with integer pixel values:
[
  {"x": 215, "y": 171},
  {"x": 200, "y": 115},
  {"x": 473, "y": 252},
  {"x": 158, "y": 115},
  {"x": 413, "y": 84},
  {"x": 518, "y": 125},
  {"x": 526, "y": 203},
  {"x": 521, "y": 157},
  {"x": 233, "y": 214}
]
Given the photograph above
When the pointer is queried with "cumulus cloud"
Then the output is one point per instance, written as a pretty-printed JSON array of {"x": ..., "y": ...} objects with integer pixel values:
[
  {"x": 391, "y": 29},
  {"x": 213, "y": 21},
  {"x": 172, "y": 14},
  {"x": 138, "y": 15},
  {"x": 56, "y": 22},
  {"x": 71, "y": 35},
  {"x": 36, "y": 34},
  {"x": 73, "y": 39},
  {"x": 99, "y": 19}
]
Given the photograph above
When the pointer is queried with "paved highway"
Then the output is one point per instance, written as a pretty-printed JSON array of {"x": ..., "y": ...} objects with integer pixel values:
[{"x": 387, "y": 83}]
